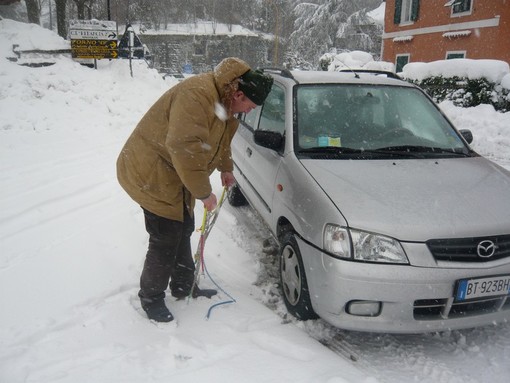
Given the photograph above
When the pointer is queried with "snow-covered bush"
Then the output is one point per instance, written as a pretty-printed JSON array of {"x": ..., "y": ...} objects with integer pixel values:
[
  {"x": 465, "y": 82},
  {"x": 461, "y": 91},
  {"x": 334, "y": 61}
]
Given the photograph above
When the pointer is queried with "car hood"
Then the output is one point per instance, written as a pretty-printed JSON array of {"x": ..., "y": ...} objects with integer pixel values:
[{"x": 417, "y": 200}]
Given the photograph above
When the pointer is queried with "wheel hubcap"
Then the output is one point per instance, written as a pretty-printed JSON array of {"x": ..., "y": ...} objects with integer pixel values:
[{"x": 291, "y": 276}]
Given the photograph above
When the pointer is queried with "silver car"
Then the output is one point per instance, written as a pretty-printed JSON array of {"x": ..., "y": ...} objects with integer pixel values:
[{"x": 387, "y": 220}]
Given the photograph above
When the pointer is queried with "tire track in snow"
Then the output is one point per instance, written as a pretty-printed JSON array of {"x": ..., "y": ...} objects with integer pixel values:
[
  {"x": 25, "y": 178},
  {"x": 59, "y": 183},
  {"x": 53, "y": 231},
  {"x": 75, "y": 201},
  {"x": 424, "y": 358}
]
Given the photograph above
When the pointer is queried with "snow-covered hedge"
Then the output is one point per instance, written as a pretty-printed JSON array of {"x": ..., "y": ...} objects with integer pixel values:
[{"x": 465, "y": 82}]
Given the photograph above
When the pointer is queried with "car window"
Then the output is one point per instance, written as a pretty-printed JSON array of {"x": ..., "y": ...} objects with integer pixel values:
[
  {"x": 250, "y": 119},
  {"x": 272, "y": 117},
  {"x": 370, "y": 117}
]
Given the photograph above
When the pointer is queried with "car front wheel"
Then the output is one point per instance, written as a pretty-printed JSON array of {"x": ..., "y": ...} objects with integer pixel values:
[
  {"x": 235, "y": 196},
  {"x": 293, "y": 280}
]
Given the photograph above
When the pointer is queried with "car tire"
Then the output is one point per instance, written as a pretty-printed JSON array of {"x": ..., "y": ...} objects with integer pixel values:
[
  {"x": 293, "y": 280},
  {"x": 235, "y": 196}
]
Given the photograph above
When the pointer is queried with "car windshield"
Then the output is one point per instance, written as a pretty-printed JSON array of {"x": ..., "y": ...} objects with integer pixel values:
[{"x": 347, "y": 120}]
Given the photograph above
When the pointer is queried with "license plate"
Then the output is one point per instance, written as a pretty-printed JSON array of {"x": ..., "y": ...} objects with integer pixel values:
[{"x": 482, "y": 287}]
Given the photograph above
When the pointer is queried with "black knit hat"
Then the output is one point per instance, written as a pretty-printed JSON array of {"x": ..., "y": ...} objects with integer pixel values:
[{"x": 255, "y": 85}]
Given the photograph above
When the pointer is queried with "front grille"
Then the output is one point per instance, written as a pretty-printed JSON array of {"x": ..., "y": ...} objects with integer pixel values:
[
  {"x": 466, "y": 249},
  {"x": 440, "y": 309}
]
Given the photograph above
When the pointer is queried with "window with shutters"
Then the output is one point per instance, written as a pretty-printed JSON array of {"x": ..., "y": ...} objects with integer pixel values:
[
  {"x": 401, "y": 61},
  {"x": 455, "y": 55},
  {"x": 461, "y": 6},
  {"x": 406, "y": 11}
]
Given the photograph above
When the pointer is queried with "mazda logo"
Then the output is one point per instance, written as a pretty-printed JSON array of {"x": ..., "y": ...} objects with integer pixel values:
[{"x": 486, "y": 249}]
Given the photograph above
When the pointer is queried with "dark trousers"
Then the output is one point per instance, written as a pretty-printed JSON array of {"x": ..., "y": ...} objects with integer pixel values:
[{"x": 169, "y": 261}]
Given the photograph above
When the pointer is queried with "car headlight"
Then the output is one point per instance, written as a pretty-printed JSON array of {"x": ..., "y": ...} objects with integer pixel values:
[
  {"x": 377, "y": 248},
  {"x": 366, "y": 247},
  {"x": 337, "y": 241}
]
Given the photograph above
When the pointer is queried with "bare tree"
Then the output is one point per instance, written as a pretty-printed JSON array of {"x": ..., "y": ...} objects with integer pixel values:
[
  {"x": 81, "y": 6},
  {"x": 61, "y": 17},
  {"x": 33, "y": 11}
]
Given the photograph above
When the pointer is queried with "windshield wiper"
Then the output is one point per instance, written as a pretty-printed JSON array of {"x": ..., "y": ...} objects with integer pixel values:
[
  {"x": 330, "y": 149},
  {"x": 422, "y": 149},
  {"x": 347, "y": 150}
]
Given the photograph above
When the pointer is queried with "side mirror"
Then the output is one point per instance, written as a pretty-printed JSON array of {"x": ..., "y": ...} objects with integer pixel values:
[
  {"x": 468, "y": 136},
  {"x": 268, "y": 139}
]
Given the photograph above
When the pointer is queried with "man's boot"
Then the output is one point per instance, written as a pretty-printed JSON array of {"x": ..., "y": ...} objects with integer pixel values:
[
  {"x": 197, "y": 292},
  {"x": 156, "y": 309},
  {"x": 208, "y": 293}
]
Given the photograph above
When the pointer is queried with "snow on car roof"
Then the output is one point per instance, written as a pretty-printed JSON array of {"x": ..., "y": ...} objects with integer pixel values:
[{"x": 350, "y": 77}]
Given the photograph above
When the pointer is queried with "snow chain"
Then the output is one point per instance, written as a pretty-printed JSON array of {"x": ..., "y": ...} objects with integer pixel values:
[{"x": 208, "y": 220}]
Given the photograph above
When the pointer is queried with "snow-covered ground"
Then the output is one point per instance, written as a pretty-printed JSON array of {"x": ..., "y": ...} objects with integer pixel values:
[{"x": 72, "y": 245}]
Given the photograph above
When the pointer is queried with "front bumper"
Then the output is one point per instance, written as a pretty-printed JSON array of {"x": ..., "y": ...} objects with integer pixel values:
[{"x": 413, "y": 299}]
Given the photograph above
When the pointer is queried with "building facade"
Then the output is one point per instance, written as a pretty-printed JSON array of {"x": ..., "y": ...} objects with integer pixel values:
[
  {"x": 199, "y": 47},
  {"x": 430, "y": 30}
]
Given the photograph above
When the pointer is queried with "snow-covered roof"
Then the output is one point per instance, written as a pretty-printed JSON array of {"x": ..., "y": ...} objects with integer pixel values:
[
  {"x": 347, "y": 76},
  {"x": 204, "y": 28},
  {"x": 378, "y": 14}
]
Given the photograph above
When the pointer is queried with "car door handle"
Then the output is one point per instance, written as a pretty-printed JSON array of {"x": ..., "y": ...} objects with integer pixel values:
[{"x": 248, "y": 152}]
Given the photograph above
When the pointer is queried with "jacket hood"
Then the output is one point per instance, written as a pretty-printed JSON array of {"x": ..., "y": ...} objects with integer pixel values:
[{"x": 228, "y": 70}]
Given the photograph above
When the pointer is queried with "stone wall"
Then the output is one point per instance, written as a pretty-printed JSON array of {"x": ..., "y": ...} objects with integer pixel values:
[{"x": 170, "y": 53}]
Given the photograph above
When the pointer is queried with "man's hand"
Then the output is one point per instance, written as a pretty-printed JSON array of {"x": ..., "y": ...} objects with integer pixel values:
[
  {"x": 210, "y": 202},
  {"x": 227, "y": 179}
]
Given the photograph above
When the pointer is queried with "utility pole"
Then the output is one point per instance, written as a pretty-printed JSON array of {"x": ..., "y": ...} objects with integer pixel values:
[{"x": 131, "y": 44}]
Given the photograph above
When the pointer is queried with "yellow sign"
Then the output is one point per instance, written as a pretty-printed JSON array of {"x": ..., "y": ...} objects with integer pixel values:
[{"x": 94, "y": 49}]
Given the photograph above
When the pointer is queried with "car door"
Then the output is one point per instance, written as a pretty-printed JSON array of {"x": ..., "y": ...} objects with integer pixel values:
[{"x": 257, "y": 166}]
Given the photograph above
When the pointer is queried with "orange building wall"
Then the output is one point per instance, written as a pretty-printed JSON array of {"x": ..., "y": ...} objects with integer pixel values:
[{"x": 482, "y": 43}]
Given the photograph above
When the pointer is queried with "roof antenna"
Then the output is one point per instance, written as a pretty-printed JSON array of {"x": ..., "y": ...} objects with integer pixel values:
[{"x": 356, "y": 75}]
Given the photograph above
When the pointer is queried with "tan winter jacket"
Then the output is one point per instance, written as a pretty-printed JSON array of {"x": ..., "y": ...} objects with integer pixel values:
[{"x": 179, "y": 142}]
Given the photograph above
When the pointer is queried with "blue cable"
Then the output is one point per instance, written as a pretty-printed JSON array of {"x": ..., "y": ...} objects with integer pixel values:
[{"x": 232, "y": 300}]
